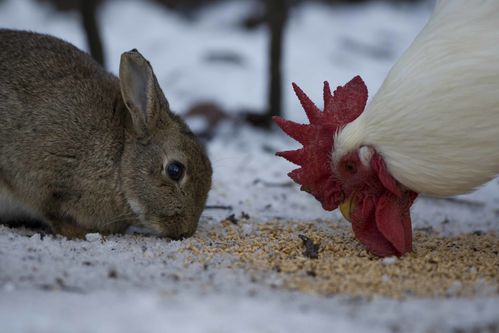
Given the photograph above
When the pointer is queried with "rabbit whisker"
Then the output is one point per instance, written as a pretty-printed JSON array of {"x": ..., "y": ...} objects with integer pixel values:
[{"x": 121, "y": 218}]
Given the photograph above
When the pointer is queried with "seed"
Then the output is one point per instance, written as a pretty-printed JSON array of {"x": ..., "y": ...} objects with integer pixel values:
[{"x": 461, "y": 266}]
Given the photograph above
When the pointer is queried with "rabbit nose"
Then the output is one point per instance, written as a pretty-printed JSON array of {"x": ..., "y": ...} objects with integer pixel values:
[
  {"x": 188, "y": 233},
  {"x": 178, "y": 227},
  {"x": 181, "y": 233},
  {"x": 182, "y": 236}
]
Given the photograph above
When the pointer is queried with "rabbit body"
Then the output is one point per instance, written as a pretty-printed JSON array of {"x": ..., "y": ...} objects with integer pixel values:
[{"x": 85, "y": 151}]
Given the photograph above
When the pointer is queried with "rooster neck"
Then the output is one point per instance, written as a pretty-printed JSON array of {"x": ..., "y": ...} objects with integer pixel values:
[
  {"x": 435, "y": 119},
  {"x": 348, "y": 139}
]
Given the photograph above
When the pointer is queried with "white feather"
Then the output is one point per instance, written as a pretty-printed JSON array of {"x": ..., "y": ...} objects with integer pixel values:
[{"x": 435, "y": 119}]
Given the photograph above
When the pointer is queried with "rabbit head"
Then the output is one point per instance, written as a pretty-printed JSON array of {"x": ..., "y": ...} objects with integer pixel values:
[{"x": 165, "y": 172}]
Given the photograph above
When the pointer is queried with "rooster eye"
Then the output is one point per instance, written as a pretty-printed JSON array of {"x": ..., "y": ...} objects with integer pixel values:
[
  {"x": 350, "y": 167},
  {"x": 175, "y": 170}
]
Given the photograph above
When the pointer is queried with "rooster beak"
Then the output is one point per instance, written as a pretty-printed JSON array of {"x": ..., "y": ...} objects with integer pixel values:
[{"x": 347, "y": 206}]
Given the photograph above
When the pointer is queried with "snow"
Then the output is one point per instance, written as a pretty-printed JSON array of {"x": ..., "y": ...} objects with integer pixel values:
[
  {"x": 134, "y": 284},
  {"x": 133, "y": 311},
  {"x": 389, "y": 260},
  {"x": 129, "y": 283}
]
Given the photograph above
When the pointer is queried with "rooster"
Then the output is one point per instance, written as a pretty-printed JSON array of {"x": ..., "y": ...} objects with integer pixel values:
[{"x": 432, "y": 128}]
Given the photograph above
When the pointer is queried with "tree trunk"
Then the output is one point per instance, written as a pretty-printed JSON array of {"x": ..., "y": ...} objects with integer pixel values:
[
  {"x": 277, "y": 14},
  {"x": 88, "y": 11}
]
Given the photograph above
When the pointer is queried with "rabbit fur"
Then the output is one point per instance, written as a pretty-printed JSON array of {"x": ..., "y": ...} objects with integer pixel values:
[{"x": 84, "y": 151}]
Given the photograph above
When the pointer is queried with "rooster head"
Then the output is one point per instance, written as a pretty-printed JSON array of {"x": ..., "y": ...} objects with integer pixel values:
[{"x": 358, "y": 182}]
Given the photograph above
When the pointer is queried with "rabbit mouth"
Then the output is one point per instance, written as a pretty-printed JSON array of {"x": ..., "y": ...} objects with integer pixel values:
[
  {"x": 175, "y": 226},
  {"x": 156, "y": 229},
  {"x": 142, "y": 230}
]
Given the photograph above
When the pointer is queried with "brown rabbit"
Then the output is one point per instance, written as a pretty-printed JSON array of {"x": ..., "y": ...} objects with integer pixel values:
[{"x": 86, "y": 152}]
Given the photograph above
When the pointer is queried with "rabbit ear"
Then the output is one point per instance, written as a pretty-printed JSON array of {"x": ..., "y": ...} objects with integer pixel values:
[{"x": 140, "y": 92}]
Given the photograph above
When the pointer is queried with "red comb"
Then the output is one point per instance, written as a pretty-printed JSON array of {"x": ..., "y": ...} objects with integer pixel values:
[{"x": 340, "y": 108}]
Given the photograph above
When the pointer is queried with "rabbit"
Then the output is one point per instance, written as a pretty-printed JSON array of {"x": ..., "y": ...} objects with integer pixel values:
[{"x": 84, "y": 151}]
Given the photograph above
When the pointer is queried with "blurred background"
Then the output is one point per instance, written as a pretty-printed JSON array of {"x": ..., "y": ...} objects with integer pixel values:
[
  {"x": 227, "y": 67},
  {"x": 234, "y": 61}
]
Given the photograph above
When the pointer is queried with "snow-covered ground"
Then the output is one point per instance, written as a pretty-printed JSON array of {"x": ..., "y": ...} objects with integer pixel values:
[{"x": 55, "y": 285}]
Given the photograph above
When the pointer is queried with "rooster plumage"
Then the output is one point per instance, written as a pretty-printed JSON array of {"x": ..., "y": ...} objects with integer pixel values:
[
  {"x": 433, "y": 128},
  {"x": 435, "y": 119}
]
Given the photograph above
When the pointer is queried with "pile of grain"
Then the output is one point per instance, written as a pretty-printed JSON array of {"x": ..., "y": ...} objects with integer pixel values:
[{"x": 273, "y": 254}]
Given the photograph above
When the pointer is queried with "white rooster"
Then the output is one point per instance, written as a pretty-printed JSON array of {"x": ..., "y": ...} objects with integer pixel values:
[{"x": 433, "y": 128}]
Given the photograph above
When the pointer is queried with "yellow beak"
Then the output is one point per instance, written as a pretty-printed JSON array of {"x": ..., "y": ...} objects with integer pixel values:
[{"x": 347, "y": 206}]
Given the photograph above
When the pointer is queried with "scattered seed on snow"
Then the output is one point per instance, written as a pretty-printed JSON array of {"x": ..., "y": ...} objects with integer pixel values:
[
  {"x": 272, "y": 254},
  {"x": 247, "y": 228}
]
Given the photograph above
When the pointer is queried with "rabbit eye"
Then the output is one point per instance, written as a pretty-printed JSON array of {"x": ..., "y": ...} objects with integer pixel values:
[{"x": 175, "y": 170}]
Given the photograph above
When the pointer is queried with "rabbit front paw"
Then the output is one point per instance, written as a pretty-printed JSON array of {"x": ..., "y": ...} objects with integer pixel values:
[{"x": 68, "y": 228}]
